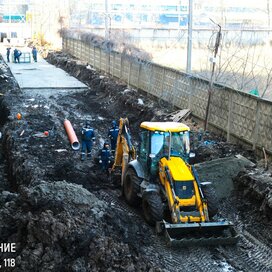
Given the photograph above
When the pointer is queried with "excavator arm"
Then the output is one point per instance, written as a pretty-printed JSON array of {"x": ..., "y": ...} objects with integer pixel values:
[{"x": 125, "y": 151}]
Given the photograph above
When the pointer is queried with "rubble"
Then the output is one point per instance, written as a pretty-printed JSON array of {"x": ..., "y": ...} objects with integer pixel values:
[{"x": 257, "y": 184}]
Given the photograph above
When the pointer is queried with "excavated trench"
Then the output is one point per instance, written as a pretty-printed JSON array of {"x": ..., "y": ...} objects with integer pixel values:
[
  {"x": 4, "y": 113},
  {"x": 64, "y": 214}
]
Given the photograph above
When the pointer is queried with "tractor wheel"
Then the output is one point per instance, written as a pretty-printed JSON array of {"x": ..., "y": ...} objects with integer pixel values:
[
  {"x": 131, "y": 187},
  {"x": 152, "y": 207},
  {"x": 211, "y": 197}
]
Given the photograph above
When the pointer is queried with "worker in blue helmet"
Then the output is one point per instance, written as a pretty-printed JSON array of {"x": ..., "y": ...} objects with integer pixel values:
[
  {"x": 17, "y": 53},
  {"x": 113, "y": 134},
  {"x": 34, "y": 53},
  {"x": 8, "y": 54},
  {"x": 105, "y": 157},
  {"x": 87, "y": 138}
]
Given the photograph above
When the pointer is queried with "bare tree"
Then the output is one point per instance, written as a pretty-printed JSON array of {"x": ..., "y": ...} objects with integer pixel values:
[
  {"x": 211, "y": 82},
  {"x": 268, "y": 14}
]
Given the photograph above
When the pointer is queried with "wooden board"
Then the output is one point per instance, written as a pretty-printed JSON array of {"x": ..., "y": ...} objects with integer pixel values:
[{"x": 179, "y": 115}]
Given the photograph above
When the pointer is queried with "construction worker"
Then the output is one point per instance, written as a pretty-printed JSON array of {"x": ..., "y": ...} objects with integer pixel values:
[
  {"x": 105, "y": 157},
  {"x": 34, "y": 53},
  {"x": 87, "y": 137},
  {"x": 8, "y": 54},
  {"x": 113, "y": 134},
  {"x": 17, "y": 54}
]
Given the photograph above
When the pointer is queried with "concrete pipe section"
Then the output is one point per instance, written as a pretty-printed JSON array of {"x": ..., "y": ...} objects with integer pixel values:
[{"x": 71, "y": 135}]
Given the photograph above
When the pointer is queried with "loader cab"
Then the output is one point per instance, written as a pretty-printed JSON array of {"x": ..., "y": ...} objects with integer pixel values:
[{"x": 162, "y": 139}]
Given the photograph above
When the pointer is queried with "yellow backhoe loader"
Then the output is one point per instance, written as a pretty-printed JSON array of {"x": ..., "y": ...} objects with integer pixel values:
[{"x": 162, "y": 180}]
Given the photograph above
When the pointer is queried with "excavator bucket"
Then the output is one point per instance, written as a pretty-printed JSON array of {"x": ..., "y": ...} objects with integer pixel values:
[{"x": 190, "y": 234}]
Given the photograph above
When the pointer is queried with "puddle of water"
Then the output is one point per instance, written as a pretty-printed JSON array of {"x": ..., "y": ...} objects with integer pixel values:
[{"x": 226, "y": 267}]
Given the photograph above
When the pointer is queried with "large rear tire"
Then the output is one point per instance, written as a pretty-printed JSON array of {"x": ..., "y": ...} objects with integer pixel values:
[
  {"x": 211, "y": 197},
  {"x": 131, "y": 187},
  {"x": 152, "y": 208}
]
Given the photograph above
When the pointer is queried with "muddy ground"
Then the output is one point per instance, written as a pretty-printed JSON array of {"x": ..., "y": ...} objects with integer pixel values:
[{"x": 64, "y": 214}]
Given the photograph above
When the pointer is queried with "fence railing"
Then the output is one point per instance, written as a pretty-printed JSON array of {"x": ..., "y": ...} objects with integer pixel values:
[{"x": 239, "y": 115}]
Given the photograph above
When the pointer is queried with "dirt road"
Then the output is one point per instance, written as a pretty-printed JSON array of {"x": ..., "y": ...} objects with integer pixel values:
[{"x": 64, "y": 215}]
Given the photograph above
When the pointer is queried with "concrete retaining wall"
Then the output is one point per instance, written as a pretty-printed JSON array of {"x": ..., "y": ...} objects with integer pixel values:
[{"x": 239, "y": 115}]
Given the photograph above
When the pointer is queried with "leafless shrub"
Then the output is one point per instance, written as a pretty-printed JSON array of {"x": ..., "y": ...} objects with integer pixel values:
[
  {"x": 119, "y": 41},
  {"x": 242, "y": 63}
]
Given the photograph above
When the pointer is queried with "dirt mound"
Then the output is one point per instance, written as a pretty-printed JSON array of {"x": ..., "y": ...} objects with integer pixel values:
[
  {"x": 61, "y": 195},
  {"x": 62, "y": 226},
  {"x": 257, "y": 185}
]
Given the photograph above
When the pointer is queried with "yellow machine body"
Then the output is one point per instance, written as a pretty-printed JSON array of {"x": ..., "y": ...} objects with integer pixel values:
[
  {"x": 180, "y": 175},
  {"x": 165, "y": 126},
  {"x": 160, "y": 176}
]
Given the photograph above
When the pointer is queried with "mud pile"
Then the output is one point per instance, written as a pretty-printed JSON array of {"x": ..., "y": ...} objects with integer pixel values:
[
  {"x": 257, "y": 185},
  {"x": 62, "y": 226}
]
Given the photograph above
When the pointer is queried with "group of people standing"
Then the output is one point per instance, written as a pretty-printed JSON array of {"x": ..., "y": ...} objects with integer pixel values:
[
  {"x": 107, "y": 152},
  {"x": 17, "y": 53}
]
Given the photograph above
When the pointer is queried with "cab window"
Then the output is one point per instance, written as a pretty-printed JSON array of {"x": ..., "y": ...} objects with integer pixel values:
[{"x": 144, "y": 143}]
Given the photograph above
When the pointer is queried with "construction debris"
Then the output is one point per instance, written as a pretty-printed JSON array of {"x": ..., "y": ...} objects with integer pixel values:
[{"x": 179, "y": 115}]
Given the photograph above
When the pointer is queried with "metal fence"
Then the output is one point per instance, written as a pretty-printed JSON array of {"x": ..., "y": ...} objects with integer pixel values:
[{"x": 241, "y": 116}]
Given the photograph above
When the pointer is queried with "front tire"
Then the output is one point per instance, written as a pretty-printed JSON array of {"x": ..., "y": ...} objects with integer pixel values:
[
  {"x": 131, "y": 187},
  {"x": 152, "y": 208},
  {"x": 211, "y": 197}
]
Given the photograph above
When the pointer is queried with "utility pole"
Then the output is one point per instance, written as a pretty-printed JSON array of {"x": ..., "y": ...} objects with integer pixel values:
[
  {"x": 213, "y": 59},
  {"x": 268, "y": 15},
  {"x": 9, "y": 11},
  {"x": 179, "y": 10},
  {"x": 189, "y": 39},
  {"x": 106, "y": 20}
]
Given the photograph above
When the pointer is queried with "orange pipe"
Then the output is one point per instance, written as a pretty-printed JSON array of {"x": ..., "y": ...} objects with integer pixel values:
[{"x": 71, "y": 135}]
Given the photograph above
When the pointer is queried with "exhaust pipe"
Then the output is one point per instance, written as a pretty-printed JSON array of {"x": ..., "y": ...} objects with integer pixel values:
[{"x": 71, "y": 135}]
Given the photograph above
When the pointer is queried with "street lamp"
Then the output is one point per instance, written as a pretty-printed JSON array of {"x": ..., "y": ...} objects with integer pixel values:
[
  {"x": 189, "y": 39},
  {"x": 107, "y": 26}
]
